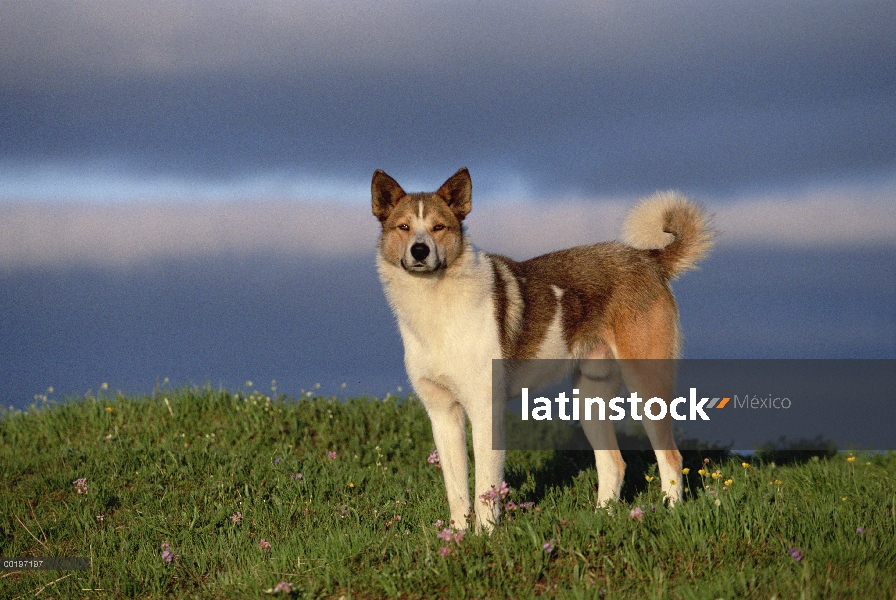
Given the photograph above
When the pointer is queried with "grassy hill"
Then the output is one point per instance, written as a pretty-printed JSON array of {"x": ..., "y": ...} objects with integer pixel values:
[{"x": 201, "y": 493}]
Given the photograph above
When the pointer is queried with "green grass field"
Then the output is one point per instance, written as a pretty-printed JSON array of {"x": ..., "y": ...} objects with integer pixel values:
[{"x": 210, "y": 494}]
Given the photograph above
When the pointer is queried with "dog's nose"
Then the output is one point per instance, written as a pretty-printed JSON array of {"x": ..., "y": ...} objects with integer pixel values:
[{"x": 419, "y": 251}]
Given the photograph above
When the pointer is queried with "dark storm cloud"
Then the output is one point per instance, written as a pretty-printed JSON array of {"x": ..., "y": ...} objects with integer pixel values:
[{"x": 563, "y": 97}]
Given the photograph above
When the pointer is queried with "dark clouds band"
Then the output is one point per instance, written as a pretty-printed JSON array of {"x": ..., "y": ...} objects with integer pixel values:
[{"x": 568, "y": 98}]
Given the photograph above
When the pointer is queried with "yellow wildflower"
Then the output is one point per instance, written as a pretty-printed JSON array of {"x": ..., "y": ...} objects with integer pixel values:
[
  {"x": 702, "y": 472},
  {"x": 851, "y": 459},
  {"x": 745, "y": 465},
  {"x": 685, "y": 471},
  {"x": 648, "y": 478},
  {"x": 729, "y": 481}
]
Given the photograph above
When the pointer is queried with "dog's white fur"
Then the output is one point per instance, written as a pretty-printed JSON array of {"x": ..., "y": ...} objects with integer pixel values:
[{"x": 448, "y": 356}]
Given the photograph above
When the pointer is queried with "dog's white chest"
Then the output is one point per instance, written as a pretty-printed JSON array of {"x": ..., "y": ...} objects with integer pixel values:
[
  {"x": 448, "y": 325},
  {"x": 443, "y": 322}
]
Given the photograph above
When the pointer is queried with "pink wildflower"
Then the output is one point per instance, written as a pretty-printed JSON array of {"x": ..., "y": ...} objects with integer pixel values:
[
  {"x": 332, "y": 455},
  {"x": 283, "y": 586},
  {"x": 637, "y": 513},
  {"x": 493, "y": 495},
  {"x": 80, "y": 485},
  {"x": 504, "y": 490},
  {"x": 264, "y": 545},
  {"x": 447, "y": 536},
  {"x": 547, "y": 547},
  {"x": 237, "y": 517},
  {"x": 167, "y": 555},
  {"x": 489, "y": 497}
]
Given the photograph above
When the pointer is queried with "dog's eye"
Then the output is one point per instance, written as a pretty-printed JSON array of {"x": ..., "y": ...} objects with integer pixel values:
[
  {"x": 438, "y": 227},
  {"x": 404, "y": 227}
]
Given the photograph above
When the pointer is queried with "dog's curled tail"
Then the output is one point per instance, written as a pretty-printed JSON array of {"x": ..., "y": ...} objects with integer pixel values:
[{"x": 677, "y": 229}]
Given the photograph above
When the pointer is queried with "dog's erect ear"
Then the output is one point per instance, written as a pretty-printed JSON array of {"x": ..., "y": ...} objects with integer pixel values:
[
  {"x": 458, "y": 193},
  {"x": 385, "y": 193}
]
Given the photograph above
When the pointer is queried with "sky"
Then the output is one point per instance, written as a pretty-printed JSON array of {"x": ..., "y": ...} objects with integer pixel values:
[
  {"x": 110, "y": 101},
  {"x": 134, "y": 135}
]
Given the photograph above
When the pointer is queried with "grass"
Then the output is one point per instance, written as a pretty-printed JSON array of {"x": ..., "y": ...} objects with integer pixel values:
[{"x": 176, "y": 468}]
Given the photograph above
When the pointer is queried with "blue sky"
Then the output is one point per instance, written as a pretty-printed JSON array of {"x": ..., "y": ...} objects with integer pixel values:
[{"x": 136, "y": 135}]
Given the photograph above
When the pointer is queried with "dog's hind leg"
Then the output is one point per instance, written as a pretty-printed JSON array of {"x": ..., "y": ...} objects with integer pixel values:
[
  {"x": 649, "y": 344},
  {"x": 601, "y": 379},
  {"x": 449, "y": 434},
  {"x": 653, "y": 379}
]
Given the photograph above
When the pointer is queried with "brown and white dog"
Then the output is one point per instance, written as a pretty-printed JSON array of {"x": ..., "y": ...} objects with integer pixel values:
[{"x": 458, "y": 308}]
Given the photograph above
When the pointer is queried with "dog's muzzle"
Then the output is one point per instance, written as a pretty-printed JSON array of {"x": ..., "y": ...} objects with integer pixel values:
[{"x": 421, "y": 258}]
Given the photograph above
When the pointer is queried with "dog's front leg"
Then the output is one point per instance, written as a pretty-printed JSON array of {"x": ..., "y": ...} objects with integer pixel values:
[
  {"x": 489, "y": 465},
  {"x": 449, "y": 435}
]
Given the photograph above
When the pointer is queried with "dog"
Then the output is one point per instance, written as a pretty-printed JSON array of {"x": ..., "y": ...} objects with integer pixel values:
[{"x": 458, "y": 308}]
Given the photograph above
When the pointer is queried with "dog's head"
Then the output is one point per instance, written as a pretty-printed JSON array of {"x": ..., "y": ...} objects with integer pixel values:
[{"x": 422, "y": 232}]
